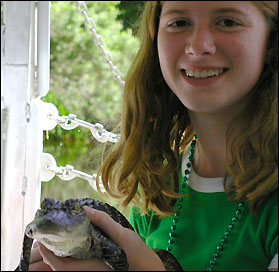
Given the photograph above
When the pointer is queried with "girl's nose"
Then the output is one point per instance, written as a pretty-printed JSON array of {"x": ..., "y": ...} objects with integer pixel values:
[{"x": 200, "y": 43}]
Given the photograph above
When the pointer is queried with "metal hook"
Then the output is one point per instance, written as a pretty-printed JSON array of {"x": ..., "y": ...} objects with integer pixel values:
[{"x": 72, "y": 124}]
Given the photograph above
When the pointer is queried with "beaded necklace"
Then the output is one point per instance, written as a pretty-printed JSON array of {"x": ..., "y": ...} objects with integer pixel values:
[{"x": 226, "y": 234}]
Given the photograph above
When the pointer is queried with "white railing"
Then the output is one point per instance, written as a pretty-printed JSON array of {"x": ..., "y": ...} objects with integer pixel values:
[{"x": 24, "y": 81}]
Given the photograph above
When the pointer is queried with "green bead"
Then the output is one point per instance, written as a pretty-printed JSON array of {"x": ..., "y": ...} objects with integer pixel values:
[
  {"x": 241, "y": 204},
  {"x": 216, "y": 255},
  {"x": 188, "y": 164},
  {"x": 190, "y": 158},
  {"x": 183, "y": 185},
  {"x": 194, "y": 142},
  {"x": 169, "y": 248},
  {"x": 195, "y": 136},
  {"x": 179, "y": 206},
  {"x": 223, "y": 241},
  {"x": 187, "y": 172},
  {"x": 231, "y": 226},
  {"x": 172, "y": 234},
  {"x": 212, "y": 262},
  {"x": 173, "y": 227},
  {"x": 181, "y": 192},
  {"x": 235, "y": 218},
  {"x": 192, "y": 151},
  {"x": 180, "y": 199},
  {"x": 185, "y": 179},
  {"x": 175, "y": 220},
  {"x": 209, "y": 269},
  {"x": 219, "y": 248},
  {"x": 171, "y": 241},
  {"x": 238, "y": 211},
  {"x": 177, "y": 213},
  {"x": 227, "y": 233}
]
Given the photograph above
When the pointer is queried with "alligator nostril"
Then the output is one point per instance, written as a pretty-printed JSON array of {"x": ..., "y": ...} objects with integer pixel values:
[{"x": 29, "y": 231}]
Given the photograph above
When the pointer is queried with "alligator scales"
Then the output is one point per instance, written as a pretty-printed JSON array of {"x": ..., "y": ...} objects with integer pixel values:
[{"x": 64, "y": 228}]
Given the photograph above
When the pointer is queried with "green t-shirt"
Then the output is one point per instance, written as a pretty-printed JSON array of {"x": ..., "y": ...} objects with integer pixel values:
[{"x": 205, "y": 216}]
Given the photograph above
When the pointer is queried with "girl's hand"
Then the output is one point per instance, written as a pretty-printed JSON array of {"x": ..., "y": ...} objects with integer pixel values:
[
  {"x": 36, "y": 260},
  {"x": 140, "y": 256},
  {"x": 40, "y": 263}
]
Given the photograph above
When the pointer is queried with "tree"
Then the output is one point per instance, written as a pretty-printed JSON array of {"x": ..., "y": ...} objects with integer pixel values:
[{"x": 129, "y": 12}]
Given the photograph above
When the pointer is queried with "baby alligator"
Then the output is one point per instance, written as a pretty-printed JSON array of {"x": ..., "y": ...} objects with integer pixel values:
[{"x": 64, "y": 228}]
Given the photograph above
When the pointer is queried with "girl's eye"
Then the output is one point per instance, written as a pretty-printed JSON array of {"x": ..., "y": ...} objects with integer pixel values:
[
  {"x": 228, "y": 22},
  {"x": 179, "y": 23}
]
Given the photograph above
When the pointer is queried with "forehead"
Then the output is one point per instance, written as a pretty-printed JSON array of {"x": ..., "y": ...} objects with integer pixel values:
[{"x": 208, "y": 6}]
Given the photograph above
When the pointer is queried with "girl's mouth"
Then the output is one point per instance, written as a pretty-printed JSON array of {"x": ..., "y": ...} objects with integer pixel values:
[{"x": 205, "y": 77}]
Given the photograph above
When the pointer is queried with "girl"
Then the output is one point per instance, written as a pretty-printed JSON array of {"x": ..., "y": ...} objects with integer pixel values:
[{"x": 198, "y": 148}]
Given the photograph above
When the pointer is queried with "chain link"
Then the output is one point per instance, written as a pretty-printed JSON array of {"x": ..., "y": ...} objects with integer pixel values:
[
  {"x": 100, "y": 134},
  {"x": 98, "y": 41},
  {"x": 68, "y": 172}
]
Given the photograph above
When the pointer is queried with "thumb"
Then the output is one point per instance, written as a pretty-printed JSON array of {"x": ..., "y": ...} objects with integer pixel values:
[
  {"x": 50, "y": 258},
  {"x": 103, "y": 221}
]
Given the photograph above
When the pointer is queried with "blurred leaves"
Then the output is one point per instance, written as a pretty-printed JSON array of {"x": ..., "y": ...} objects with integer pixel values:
[{"x": 129, "y": 12}]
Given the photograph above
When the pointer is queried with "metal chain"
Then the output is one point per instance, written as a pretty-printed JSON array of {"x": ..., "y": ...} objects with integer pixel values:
[
  {"x": 68, "y": 172},
  {"x": 98, "y": 41},
  {"x": 70, "y": 122},
  {"x": 100, "y": 134}
]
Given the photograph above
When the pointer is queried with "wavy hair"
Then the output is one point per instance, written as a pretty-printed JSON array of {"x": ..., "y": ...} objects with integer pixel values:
[
  {"x": 255, "y": 150},
  {"x": 143, "y": 165}
]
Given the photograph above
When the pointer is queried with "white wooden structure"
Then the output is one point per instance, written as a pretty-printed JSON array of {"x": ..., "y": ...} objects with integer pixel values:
[{"x": 24, "y": 80}]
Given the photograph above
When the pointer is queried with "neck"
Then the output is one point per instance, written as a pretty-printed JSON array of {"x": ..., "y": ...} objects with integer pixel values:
[{"x": 210, "y": 157}]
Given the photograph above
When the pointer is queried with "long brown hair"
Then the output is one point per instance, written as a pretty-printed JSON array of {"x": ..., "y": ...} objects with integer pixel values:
[
  {"x": 255, "y": 150},
  {"x": 155, "y": 127}
]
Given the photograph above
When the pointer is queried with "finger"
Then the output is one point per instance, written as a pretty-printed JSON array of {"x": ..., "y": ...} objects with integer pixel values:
[
  {"x": 70, "y": 264},
  {"x": 39, "y": 266},
  {"x": 94, "y": 264},
  {"x": 102, "y": 220},
  {"x": 50, "y": 258},
  {"x": 35, "y": 255},
  {"x": 36, "y": 244}
]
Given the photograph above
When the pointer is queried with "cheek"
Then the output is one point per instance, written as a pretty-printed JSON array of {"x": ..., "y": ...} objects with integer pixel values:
[
  {"x": 248, "y": 51},
  {"x": 235, "y": 50},
  {"x": 169, "y": 50},
  {"x": 165, "y": 55}
]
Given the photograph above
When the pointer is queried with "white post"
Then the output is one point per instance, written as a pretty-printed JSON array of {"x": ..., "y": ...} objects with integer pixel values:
[{"x": 21, "y": 131}]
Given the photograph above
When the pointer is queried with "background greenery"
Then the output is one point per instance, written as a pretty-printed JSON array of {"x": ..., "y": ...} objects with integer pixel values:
[{"x": 82, "y": 84}]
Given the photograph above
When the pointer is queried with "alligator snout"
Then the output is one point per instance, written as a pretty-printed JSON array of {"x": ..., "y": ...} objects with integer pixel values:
[{"x": 30, "y": 230}]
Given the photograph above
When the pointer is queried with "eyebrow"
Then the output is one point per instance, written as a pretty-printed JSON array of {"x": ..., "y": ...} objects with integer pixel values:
[
  {"x": 230, "y": 10},
  {"x": 217, "y": 11}
]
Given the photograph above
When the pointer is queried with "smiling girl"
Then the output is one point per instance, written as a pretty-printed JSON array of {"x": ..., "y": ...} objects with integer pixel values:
[{"x": 198, "y": 149}]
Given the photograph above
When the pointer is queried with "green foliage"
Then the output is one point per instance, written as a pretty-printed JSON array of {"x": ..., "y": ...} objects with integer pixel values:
[
  {"x": 129, "y": 12},
  {"x": 82, "y": 84},
  {"x": 77, "y": 66}
]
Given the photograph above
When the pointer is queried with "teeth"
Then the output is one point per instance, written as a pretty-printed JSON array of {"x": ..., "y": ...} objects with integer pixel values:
[{"x": 204, "y": 74}]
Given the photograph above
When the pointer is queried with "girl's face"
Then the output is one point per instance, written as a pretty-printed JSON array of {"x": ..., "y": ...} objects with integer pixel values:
[{"x": 211, "y": 52}]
